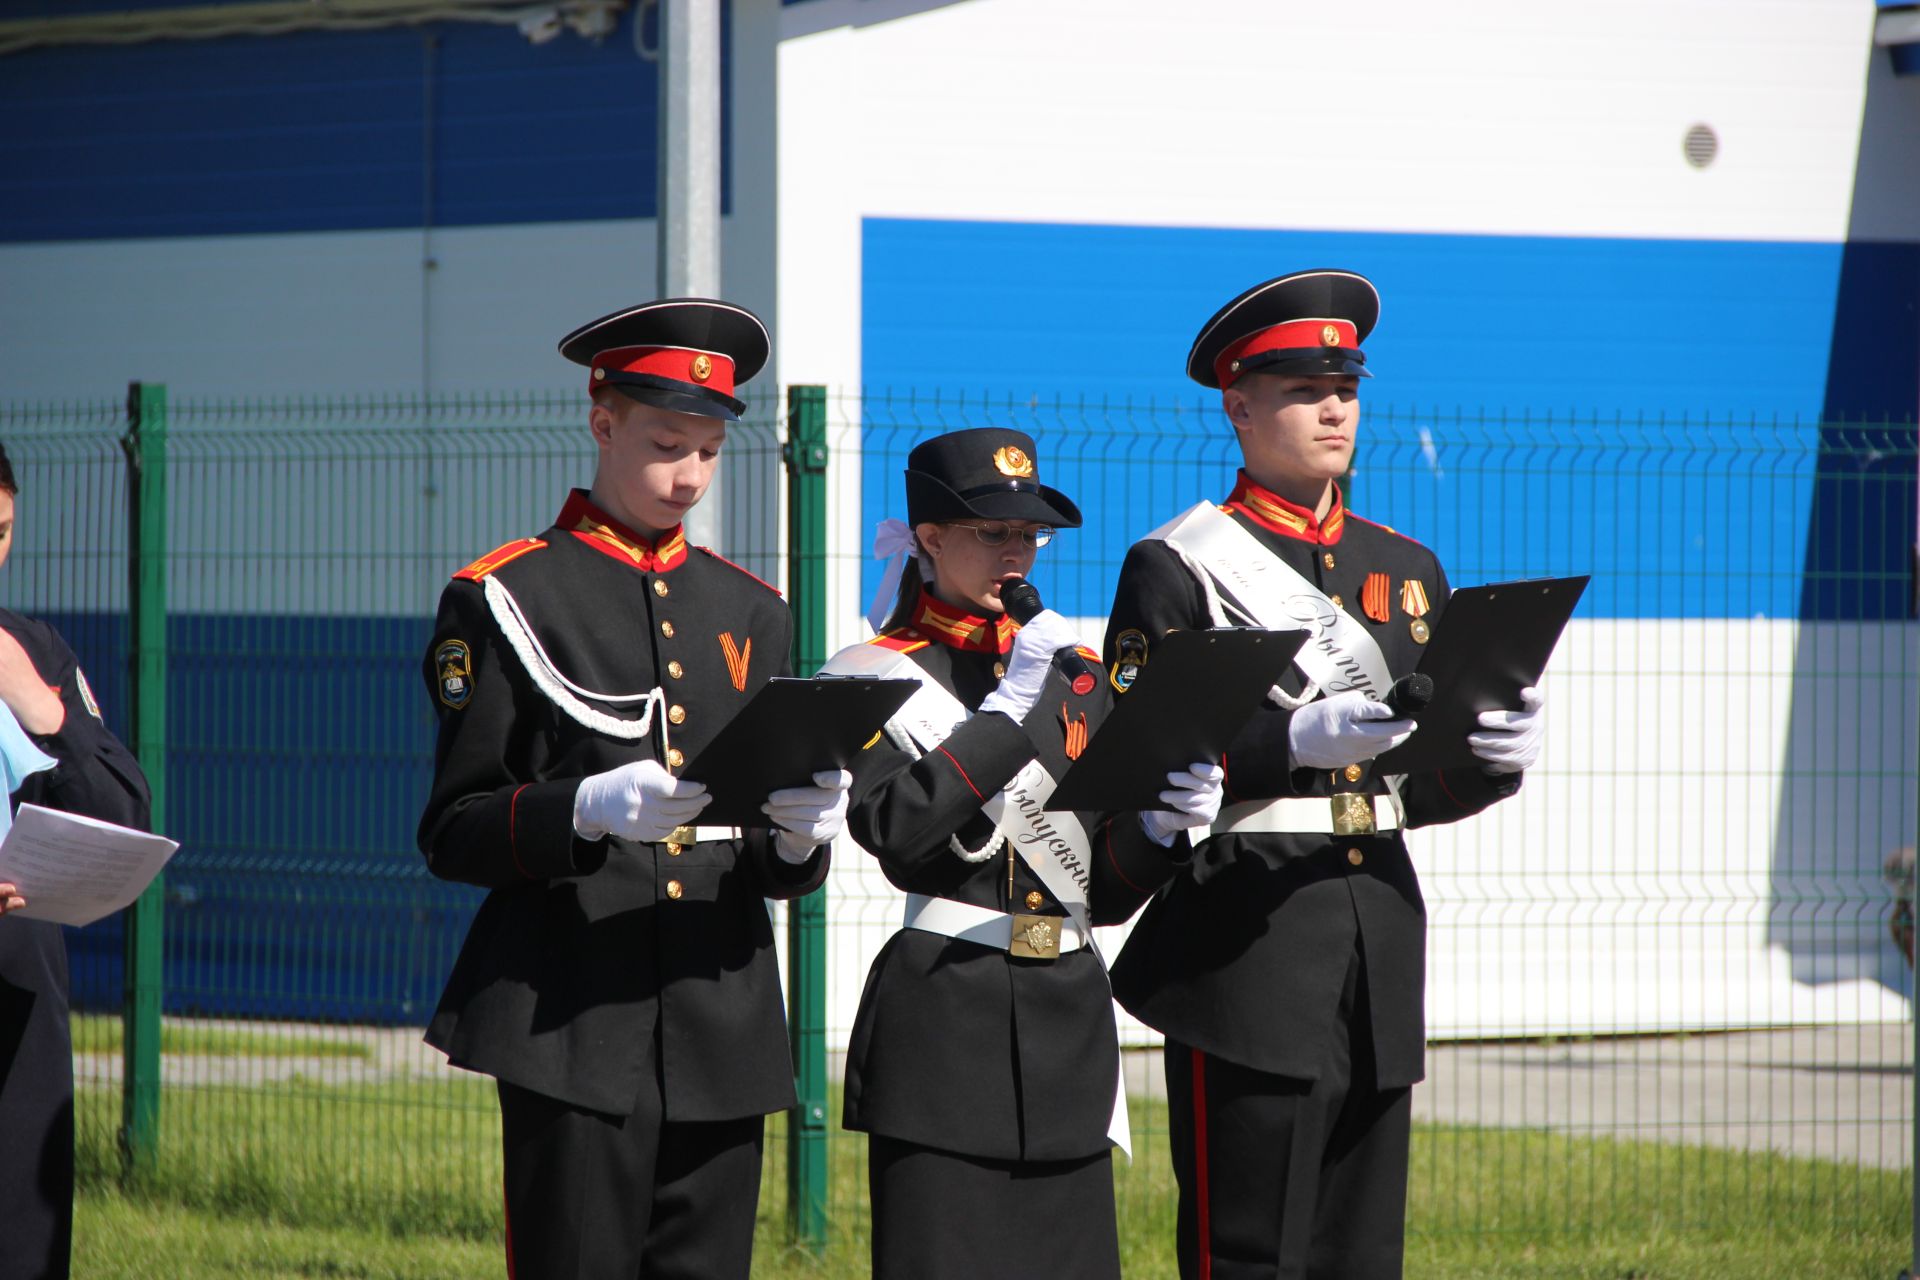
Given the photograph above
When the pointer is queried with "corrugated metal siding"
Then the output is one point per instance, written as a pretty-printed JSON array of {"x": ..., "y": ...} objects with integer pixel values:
[{"x": 450, "y": 125}]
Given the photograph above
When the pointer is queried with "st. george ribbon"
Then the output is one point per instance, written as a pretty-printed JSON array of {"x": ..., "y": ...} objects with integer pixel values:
[{"x": 1022, "y": 601}]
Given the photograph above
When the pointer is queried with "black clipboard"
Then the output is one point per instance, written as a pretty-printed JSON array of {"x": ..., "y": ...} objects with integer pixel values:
[
  {"x": 789, "y": 731},
  {"x": 1492, "y": 642},
  {"x": 1187, "y": 704}
]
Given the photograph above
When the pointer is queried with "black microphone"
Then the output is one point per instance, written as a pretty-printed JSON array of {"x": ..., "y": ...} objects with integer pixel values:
[
  {"x": 1022, "y": 602},
  {"x": 1410, "y": 693}
]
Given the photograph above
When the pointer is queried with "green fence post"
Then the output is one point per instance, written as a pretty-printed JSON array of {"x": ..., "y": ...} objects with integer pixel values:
[
  {"x": 146, "y": 450},
  {"x": 806, "y": 459}
]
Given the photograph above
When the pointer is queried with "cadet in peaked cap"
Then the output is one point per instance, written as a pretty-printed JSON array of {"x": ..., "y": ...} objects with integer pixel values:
[
  {"x": 1311, "y": 322},
  {"x": 685, "y": 354},
  {"x": 1285, "y": 965},
  {"x": 619, "y": 980},
  {"x": 983, "y": 1063}
]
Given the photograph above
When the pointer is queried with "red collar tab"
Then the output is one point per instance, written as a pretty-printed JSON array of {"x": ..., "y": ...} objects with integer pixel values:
[
  {"x": 707, "y": 369},
  {"x": 1274, "y": 513},
  {"x": 940, "y": 622},
  {"x": 606, "y": 535},
  {"x": 1294, "y": 335}
]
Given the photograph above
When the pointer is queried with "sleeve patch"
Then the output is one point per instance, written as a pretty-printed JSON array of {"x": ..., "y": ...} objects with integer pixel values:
[
  {"x": 1129, "y": 655},
  {"x": 455, "y": 664},
  {"x": 86, "y": 693}
]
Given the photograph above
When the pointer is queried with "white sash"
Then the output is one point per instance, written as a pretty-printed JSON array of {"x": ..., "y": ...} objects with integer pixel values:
[
  {"x": 1055, "y": 846},
  {"x": 1339, "y": 654}
]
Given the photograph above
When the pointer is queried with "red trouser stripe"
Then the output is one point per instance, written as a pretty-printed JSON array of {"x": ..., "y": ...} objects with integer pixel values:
[
  {"x": 506, "y": 1214},
  {"x": 1203, "y": 1246}
]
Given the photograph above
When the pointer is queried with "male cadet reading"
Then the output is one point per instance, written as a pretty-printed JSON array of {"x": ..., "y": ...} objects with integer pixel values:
[
  {"x": 1285, "y": 964},
  {"x": 619, "y": 979}
]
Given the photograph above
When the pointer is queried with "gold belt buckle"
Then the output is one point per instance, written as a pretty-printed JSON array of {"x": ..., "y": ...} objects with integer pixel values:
[
  {"x": 681, "y": 836},
  {"x": 1035, "y": 937},
  {"x": 1352, "y": 814}
]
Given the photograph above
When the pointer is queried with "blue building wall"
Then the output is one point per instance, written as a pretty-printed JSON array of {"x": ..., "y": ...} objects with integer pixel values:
[
  {"x": 1724, "y": 355},
  {"x": 301, "y": 756},
  {"x": 441, "y": 125}
]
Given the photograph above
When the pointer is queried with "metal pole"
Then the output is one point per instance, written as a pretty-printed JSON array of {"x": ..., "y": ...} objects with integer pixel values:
[
  {"x": 146, "y": 450},
  {"x": 689, "y": 187},
  {"x": 806, "y": 458}
]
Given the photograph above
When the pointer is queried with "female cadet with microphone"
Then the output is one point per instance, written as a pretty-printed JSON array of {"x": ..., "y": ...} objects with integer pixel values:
[{"x": 984, "y": 1064}]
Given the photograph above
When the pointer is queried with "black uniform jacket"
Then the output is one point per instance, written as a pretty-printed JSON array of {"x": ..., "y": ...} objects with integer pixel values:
[
  {"x": 585, "y": 951},
  {"x": 960, "y": 1046},
  {"x": 95, "y": 776},
  {"x": 1243, "y": 956}
]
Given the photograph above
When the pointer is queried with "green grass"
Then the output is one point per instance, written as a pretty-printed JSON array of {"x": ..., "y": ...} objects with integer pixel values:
[
  {"x": 402, "y": 1179},
  {"x": 103, "y": 1033}
]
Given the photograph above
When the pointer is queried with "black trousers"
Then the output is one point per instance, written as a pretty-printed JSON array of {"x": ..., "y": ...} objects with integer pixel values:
[
  {"x": 36, "y": 1104},
  {"x": 941, "y": 1216},
  {"x": 1288, "y": 1179},
  {"x": 635, "y": 1197}
]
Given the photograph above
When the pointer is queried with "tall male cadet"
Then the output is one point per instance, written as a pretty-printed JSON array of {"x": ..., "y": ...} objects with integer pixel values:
[
  {"x": 619, "y": 980},
  {"x": 1286, "y": 964}
]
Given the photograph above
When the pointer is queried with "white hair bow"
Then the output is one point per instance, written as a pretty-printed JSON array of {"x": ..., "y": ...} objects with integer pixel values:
[{"x": 893, "y": 541}]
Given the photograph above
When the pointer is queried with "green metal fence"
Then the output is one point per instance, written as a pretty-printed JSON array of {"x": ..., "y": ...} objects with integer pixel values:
[{"x": 1662, "y": 986}]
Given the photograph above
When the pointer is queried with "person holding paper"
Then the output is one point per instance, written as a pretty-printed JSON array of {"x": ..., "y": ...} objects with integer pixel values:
[
  {"x": 56, "y": 752},
  {"x": 983, "y": 1063},
  {"x": 1285, "y": 964},
  {"x": 619, "y": 980}
]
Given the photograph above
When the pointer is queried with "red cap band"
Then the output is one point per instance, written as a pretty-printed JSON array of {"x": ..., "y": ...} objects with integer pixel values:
[
  {"x": 707, "y": 369},
  {"x": 1292, "y": 334}
]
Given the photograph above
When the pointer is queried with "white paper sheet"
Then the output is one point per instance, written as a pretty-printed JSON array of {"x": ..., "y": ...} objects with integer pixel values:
[{"x": 74, "y": 870}]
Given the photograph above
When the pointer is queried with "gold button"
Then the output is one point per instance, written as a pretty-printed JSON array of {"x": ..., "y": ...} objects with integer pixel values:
[
  {"x": 660, "y": 586},
  {"x": 674, "y": 758},
  {"x": 675, "y": 889},
  {"x": 666, "y": 629},
  {"x": 1353, "y": 773},
  {"x": 675, "y": 670},
  {"x": 1338, "y": 603},
  {"x": 999, "y": 670},
  {"x": 1034, "y": 899},
  {"x": 677, "y": 713},
  {"x": 1327, "y": 559},
  {"x": 1356, "y": 857},
  {"x": 674, "y": 848}
]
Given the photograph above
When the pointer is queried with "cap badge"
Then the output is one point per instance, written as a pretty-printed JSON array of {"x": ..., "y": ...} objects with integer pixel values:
[
  {"x": 1012, "y": 460},
  {"x": 1329, "y": 336},
  {"x": 703, "y": 368}
]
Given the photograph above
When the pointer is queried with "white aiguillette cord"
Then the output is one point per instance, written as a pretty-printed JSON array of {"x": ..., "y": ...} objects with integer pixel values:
[{"x": 562, "y": 692}]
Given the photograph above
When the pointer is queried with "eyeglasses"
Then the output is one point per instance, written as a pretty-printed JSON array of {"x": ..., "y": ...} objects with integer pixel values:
[{"x": 994, "y": 533}]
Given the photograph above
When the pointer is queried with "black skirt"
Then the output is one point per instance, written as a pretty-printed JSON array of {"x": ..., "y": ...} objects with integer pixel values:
[{"x": 936, "y": 1215}]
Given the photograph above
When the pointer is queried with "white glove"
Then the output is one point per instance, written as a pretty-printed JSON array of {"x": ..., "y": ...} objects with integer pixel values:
[
  {"x": 1346, "y": 728},
  {"x": 1194, "y": 793},
  {"x": 807, "y": 817},
  {"x": 640, "y": 801},
  {"x": 1509, "y": 741},
  {"x": 1028, "y": 664}
]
